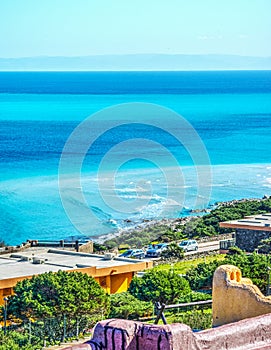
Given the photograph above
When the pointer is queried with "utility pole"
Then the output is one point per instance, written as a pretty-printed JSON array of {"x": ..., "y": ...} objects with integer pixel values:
[
  {"x": 5, "y": 314},
  {"x": 268, "y": 280}
]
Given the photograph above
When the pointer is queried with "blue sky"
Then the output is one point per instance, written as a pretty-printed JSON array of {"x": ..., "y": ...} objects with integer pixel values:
[{"x": 91, "y": 27}]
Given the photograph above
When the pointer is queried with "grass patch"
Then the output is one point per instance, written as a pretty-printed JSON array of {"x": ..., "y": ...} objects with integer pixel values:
[
  {"x": 196, "y": 319},
  {"x": 181, "y": 267}
]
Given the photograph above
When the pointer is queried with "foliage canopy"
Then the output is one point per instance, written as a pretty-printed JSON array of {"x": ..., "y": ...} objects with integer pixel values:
[
  {"x": 63, "y": 303},
  {"x": 125, "y": 305},
  {"x": 159, "y": 286},
  {"x": 253, "y": 266}
]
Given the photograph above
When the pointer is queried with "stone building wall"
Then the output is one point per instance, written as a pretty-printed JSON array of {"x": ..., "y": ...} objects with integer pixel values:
[
  {"x": 236, "y": 298},
  {"x": 248, "y": 239},
  {"x": 249, "y": 334}
]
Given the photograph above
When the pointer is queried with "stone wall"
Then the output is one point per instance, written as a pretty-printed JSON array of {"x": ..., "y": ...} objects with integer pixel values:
[
  {"x": 236, "y": 298},
  {"x": 129, "y": 335},
  {"x": 86, "y": 248},
  {"x": 249, "y": 240}
]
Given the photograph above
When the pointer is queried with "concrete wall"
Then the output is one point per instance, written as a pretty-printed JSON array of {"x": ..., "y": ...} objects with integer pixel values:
[
  {"x": 236, "y": 298},
  {"x": 248, "y": 239},
  {"x": 86, "y": 248}
]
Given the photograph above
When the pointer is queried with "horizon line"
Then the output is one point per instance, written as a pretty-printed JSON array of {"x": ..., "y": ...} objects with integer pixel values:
[
  {"x": 134, "y": 70},
  {"x": 135, "y": 54}
]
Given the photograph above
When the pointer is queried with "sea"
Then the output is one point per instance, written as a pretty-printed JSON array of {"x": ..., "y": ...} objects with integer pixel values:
[{"x": 87, "y": 154}]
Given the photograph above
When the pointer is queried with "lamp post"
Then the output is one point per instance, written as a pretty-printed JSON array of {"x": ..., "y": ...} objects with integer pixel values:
[
  {"x": 268, "y": 280},
  {"x": 5, "y": 314}
]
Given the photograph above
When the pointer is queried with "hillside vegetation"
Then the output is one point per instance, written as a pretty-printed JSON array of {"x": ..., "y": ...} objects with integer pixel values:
[{"x": 191, "y": 227}]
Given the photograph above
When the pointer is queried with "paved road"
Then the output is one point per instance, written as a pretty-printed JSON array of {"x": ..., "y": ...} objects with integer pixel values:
[
  {"x": 206, "y": 247},
  {"x": 203, "y": 247}
]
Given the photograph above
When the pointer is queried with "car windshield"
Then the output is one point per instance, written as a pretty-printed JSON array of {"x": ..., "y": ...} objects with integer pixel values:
[
  {"x": 159, "y": 246},
  {"x": 128, "y": 252},
  {"x": 184, "y": 243}
]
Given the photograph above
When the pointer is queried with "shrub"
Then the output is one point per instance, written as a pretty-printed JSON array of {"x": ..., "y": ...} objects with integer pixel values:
[
  {"x": 159, "y": 286},
  {"x": 125, "y": 305}
]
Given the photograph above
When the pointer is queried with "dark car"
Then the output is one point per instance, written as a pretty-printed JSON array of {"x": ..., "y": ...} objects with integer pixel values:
[
  {"x": 133, "y": 253},
  {"x": 155, "y": 250}
]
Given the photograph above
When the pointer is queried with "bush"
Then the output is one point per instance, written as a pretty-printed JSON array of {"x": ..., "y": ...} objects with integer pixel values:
[
  {"x": 16, "y": 341},
  {"x": 234, "y": 250},
  {"x": 253, "y": 266},
  {"x": 196, "y": 319},
  {"x": 172, "y": 252},
  {"x": 159, "y": 286},
  {"x": 72, "y": 299},
  {"x": 125, "y": 305},
  {"x": 201, "y": 277}
]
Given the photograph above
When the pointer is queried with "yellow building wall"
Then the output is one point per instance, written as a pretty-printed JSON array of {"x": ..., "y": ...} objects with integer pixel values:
[
  {"x": 236, "y": 298},
  {"x": 120, "y": 283}
]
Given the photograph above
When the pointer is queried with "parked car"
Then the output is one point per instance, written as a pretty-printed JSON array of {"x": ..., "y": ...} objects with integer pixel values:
[
  {"x": 133, "y": 253},
  {"x": 155, "y": 250},
  {"x": 189, "y": 245}
]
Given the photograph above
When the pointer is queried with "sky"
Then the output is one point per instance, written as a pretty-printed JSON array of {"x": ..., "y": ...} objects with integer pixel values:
[{"x": 99, "y": 27}]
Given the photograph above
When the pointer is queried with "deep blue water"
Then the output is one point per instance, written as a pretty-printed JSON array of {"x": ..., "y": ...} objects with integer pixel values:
[
  {"x": 230, "y": 111},
  {"x": 97, "y": 83}
]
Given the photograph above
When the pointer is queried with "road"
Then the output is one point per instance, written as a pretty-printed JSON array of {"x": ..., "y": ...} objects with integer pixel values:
[{"x": 205, "y": 247}]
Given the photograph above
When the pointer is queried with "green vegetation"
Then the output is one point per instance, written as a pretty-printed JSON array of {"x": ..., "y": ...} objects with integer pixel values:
[
  {"x": 181, "y": 267},
  {"x": 16, "y": 341},
  {"x": 197, "y": 319},
  {"x": 160, "y": 286},
  {"x": 58, "y": 304},
  {"x": 139, "y": 239},
  {"x": 126, "y": 306},
  {"x": 196, "y": 227},
  {"x": 201, "y": 277},
  {"x": 173, "y": 252},
  {"x": 208, "y": 225},
  {"x": 253, "y": 266}
]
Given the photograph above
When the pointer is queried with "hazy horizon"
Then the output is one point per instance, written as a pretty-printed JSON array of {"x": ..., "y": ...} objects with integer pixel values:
[
  {"x": 100, "y": 27},
  {"x": 136, "y": 62}
]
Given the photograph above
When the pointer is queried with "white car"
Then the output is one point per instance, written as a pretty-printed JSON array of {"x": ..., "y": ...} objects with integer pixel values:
[{"x": 189, "y": 245}]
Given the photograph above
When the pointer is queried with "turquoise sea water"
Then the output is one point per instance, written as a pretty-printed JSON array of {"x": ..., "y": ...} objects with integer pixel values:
[{"x": 230, "y": 112}]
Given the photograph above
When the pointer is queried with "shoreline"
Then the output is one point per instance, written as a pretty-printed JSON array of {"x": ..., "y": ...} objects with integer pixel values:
[{"x": 171, "y": 223}]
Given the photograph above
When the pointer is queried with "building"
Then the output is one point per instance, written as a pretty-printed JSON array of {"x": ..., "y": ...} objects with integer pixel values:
[
  {"x": 250, "y": 230},
  {"x": 114, "y": 274}
]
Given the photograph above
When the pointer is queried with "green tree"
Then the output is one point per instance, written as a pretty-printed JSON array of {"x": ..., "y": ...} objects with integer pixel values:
[
  {"x": 253, "y": 266},
  {"x": 201, "y": 276},
  {"x": 159, "y": 286},
  {"x": 15, "y": 341},
  {"x": 125, "y": 305},
  {"x": 173, "y": 252},
  {"x": 67, "y": 297}
]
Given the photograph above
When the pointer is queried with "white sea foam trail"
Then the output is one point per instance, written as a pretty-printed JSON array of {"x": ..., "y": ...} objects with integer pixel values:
[{"x": 130, "y": 114}]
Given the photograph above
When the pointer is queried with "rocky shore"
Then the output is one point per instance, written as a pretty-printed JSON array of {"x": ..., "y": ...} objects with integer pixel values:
[{"x": 172, "y": 224}]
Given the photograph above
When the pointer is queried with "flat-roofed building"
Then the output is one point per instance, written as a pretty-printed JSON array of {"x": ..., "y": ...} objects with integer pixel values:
[
  {"x": 114, "y": 274},
  {"x": 250, "y": 230}
]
